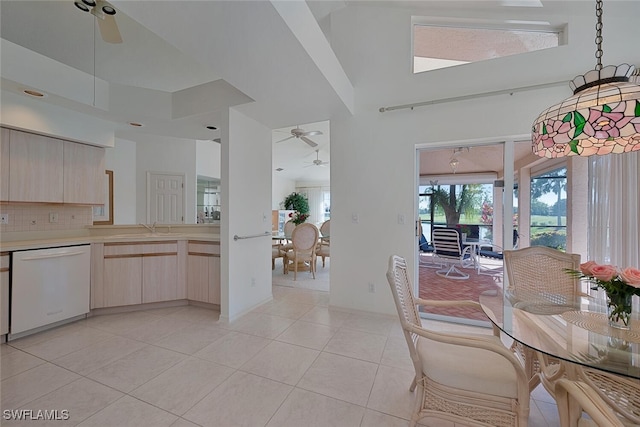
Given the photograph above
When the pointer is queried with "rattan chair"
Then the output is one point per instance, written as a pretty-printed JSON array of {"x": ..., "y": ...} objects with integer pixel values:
[
  {"x": 573, "y": 397},
  {"x": 462, "y": 378},
  {"x": 621, "y": 394},
  {"x": 537, "y": 273},
  {"x": 304, "y": 240}
]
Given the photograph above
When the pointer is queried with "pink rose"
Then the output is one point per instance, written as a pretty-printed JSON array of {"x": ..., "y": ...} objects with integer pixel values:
[
  {"x": 586, "y": 267},
  {"x": 631, "y": 276},
  {"x": 604, "y": 272}
]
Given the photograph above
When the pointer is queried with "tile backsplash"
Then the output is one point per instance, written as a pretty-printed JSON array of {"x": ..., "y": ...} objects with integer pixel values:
[{"x": 36, "y": 217}]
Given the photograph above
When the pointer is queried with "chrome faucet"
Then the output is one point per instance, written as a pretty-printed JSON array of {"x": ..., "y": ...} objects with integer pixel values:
[{"x": 151, "y": 228}]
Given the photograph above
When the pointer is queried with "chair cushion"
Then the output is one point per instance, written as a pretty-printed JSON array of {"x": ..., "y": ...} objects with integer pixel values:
[{"x": 468, "y": 368}]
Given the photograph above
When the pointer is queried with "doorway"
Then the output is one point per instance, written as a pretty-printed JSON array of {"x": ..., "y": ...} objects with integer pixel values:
[
  {"x": 165, "y": 198},
  {"x": 461, "y": 187}
]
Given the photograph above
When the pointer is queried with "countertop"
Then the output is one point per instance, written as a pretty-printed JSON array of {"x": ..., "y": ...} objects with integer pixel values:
[{"x": 26, "y": 241}]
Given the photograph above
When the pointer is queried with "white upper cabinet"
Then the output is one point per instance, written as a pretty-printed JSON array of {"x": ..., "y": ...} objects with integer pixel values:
[
  {"x": 83, "y": 174},
  {"x": 4, "y": 163},
  {"x": 38, "y": 168},
  {"x": 35, "y": 168}
]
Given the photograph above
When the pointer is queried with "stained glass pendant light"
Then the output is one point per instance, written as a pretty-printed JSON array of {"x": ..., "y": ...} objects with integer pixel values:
[{"x": 601, "y": 117}]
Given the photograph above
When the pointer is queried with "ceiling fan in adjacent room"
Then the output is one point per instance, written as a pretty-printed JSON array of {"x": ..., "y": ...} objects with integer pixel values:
[
  {"x": 302, "y": 134},
  {"x": 104, "y": 13},
  {"x": 317, "y": 161}
]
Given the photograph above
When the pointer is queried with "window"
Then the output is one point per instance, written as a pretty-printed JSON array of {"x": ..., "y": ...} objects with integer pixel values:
[
  {"x": 445, "y": 45},
  {"x": 549, "y": 209},
  {"x": 326, "y": 204}
]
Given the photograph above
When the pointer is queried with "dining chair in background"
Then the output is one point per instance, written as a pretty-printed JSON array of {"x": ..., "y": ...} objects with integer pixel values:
[
  {"x": 447, "y": 249},
  {"x": 304, "y": 240},
  {"x": 276, "y": 252},
  {"x": 324, "y": 244},
  {"x": 471, "y": 379},
  {"x": 537, "y": 273}
]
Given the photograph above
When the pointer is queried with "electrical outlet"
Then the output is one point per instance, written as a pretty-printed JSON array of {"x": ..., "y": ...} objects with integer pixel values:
[
  {"x": 4, "y": 218},
  {"x": 355, "y": 218},
  {"x": 53, "y": 217},
  {"x": 401, "y": 219},
  {"x": 253, "y": 282},
  {"x": 372, "y": 287}
]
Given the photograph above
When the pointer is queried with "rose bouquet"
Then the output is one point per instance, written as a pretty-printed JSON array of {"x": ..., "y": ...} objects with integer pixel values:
[
  {"x": 298, "y": 218},
  {"x": 619, "y": 285}
]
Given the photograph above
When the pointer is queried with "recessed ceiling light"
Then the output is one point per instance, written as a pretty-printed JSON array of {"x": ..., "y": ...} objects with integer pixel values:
[
  {"x": 212, "y": 128},
  {"x": 279, "y": 169},
  {"x": 134, "y": 124},
  {"x": 34, "y": 93}
]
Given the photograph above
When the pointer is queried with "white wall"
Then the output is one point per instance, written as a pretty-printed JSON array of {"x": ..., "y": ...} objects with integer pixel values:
[
  {"x": 208, "y": 159},
  {"x": 246, "y": 263},
  {"x": 121, "y": 159},
  {"x": 376, "y": 58},
  {"x": 165, "y": 154},
  {"x": 35, "y": 115},
  {"x": 280, "y": 189}
]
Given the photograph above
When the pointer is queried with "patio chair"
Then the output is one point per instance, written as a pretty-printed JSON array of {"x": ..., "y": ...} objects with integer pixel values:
[
  {"x": 447, "y": 246},
  {"x": 466, "y": 379}
]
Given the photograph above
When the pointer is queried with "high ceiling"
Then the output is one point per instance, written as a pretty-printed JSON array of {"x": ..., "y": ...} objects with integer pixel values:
[{"x": 200, "y": 57}]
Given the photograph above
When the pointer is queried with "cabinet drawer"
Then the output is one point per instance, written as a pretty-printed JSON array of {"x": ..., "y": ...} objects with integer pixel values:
[
  {"x": 204, "y": 248},
  {"x": 141, "y": 248},
  {"x": 4, "y": 261}
]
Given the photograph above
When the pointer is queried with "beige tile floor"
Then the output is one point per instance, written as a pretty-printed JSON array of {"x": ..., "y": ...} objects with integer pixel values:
[{"x": 291, "y": 362}]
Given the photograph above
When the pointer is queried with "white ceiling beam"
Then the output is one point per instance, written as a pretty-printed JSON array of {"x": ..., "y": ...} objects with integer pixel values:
[{"x": 302, "y": 23}]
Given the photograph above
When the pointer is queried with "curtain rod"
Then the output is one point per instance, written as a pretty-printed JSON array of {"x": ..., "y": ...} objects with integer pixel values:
[{"x": 477, "y": 95}]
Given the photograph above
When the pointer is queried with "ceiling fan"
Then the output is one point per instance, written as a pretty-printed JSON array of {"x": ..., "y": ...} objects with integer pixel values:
[
  {"x": 317, "y": 161},
  {"x": 302, "y": 134},
  {"x": 104, "y": 13}
]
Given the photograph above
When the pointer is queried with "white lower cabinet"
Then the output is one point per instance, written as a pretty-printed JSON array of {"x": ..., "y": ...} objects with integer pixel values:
[
  {"x": 144, "y": 272},
  {"x": 135, "y": 273},
  {"x": 4, "y": 293},
  {"x": 203, "y": 272}
]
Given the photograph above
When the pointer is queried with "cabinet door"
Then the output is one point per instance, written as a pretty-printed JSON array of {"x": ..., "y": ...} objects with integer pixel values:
[
  {"x": 83, "y": 174},
  {"x": 4, "y": 163},
  {"x": 35, "y": 168},
  {"x": 122, "y": 281},
  {"x": 198, "y": 278},
  {"x": 4, "y": 295},
  {"x": 214, "y": 279},
  {"x": 159, "y": 278}
]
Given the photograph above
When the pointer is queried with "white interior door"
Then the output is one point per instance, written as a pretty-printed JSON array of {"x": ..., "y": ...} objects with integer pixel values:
[{"x": 165, "y": 198}]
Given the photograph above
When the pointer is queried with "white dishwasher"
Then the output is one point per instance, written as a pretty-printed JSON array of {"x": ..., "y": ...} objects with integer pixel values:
[{"x": 49, "y": 285}]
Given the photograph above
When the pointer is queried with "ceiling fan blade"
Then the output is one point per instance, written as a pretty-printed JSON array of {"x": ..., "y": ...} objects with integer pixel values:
[
  {"x": 109, "y": 29},
  {"x": 313, "y": 133},
  {"x": 286, "y": 139},
  {"x": 308, "y": 141}
]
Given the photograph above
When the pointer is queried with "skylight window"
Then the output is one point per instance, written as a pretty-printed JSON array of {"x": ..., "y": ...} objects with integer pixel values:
[{"x": 440, "y": 46}]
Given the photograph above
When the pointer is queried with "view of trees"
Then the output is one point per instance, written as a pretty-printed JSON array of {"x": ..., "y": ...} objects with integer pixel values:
[{"x": 473, "y": 204}]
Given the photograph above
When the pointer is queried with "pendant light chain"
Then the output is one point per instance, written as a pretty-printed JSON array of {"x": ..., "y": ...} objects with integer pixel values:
[{"x": 599, "y": 35}]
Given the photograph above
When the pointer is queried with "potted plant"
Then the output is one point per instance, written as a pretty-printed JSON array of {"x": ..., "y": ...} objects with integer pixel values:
[{"x": 297, "y": 202}]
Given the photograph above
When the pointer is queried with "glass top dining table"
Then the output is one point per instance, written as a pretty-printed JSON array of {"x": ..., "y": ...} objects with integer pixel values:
[{"x": 575, "y": 331}]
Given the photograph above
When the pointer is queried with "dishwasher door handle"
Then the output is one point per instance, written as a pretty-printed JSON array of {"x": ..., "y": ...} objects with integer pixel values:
[{"x": 57, "y": 255}]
